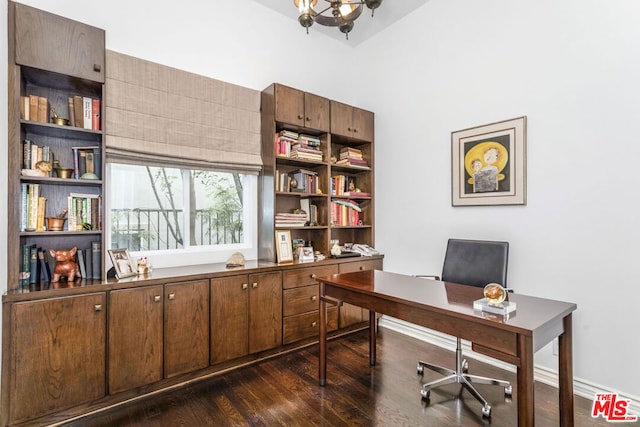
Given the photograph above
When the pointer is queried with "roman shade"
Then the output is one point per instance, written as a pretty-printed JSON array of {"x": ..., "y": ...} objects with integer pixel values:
[{"x": 162, "y": 116}]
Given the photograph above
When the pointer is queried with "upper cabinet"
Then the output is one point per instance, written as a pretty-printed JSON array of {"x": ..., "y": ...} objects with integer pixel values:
[
  {"x": 54, "y": 43},
  {"x": 351, "y": 122},
  {"x": 301, "y": 109}
]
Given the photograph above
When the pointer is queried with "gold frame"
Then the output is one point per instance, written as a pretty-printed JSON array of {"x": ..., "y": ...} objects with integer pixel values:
[
  {"x": 482, "y": 179},
  {"x": 284, "y": 249}
]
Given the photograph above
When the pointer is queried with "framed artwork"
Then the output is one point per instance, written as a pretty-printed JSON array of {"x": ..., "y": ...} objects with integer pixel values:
[
  {"x": 122, "y": 263},
  {"x": 488, "y": 164},
  {"x": 284, "y": 250}
]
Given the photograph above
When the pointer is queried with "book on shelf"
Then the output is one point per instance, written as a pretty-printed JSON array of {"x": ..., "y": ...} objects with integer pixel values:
[
  {"x": 78, "y": 111},
  {"x": 33, "y": 108},
  {"x": 42, "y": 202},
  {"x": 95, "y": 114},
  {"x": 306, "y": 180},
  {"x": 345, "y": 213},
  {"x": 82, "y": 210},
  {"x": 88, "y": 262},
  {"x": 24, "y": 108},
  {"x": 87, "y": 116},
  {"x": 81, "y": 264},
  {"x": 25, "y": 265},
  {"x": 45, "y": 270},
  {"x": 282, "y": 182},
  {"x": 43, "y": 110},
  {"x": 24, "y": 206},
  {"x": 96, "y": 259},
  {"x": 32, "y": 208},
  {"x": 289, "y": 219},
  {"x": 342, "y": 185},
  {"x": 26, "y": 154},
  {"x": 72, "y": 112},
  {"x": 33, "y": 265}
]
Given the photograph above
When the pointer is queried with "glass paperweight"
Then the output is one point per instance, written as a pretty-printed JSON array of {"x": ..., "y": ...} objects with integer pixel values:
[{"x": 495, "y": 300}]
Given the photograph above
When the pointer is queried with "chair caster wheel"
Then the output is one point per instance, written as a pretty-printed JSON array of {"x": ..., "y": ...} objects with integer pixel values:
[
  {"x": 425, "y": 393},
  {"x": 508, "y": 390},
  {"x": 486, "y": 411},
  {"x": 420, "y": 369}
]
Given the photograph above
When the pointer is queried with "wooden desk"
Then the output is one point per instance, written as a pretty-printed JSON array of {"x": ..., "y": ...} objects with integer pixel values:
[{"x": 448, "y": 307}]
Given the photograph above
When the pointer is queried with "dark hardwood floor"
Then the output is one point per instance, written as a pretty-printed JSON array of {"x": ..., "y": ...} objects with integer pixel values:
[{"x": 285, "y": 392}]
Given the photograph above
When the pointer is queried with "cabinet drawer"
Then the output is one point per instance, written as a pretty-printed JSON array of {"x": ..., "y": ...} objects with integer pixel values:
[
  {"x": 306, "y": 325},
  {"x": 306, "y": 276},
  {"x": 348, "y": 267},
  {"x": 300, "y": 300}
]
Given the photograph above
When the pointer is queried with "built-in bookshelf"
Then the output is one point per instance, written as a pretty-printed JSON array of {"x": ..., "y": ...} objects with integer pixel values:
[
  {"x": 316, "y": 183},
  {"x": 56, "y": 148}
]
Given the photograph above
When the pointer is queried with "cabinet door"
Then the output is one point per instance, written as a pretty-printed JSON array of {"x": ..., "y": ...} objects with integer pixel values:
[
  {"x": 135, "y": 337},
  {"x": 265, "y": 311},
  {"x": 186, "y": 327},
  {"x": 341, "y": 119},
  {"x": 289, "y": 105},
  {"x": 229, "y": 318},
  {"x": 54, "y": 43},
  {"x": 58, "y": 354},
  {"x": 316, "y": 112},
  {"x": 362, "y": 124}
]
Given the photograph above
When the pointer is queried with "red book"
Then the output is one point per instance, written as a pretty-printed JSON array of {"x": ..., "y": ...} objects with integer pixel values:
[{"x": 95, "y": 114}]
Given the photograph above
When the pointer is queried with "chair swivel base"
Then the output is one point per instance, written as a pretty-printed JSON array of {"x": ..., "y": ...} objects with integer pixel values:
[{"x": 461, "y": 377}]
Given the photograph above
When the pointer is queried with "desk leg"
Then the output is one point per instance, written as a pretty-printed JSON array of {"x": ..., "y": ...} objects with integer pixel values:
[
  {"x": 525, "y": 382},
  {"x": 565, "y": 368},
  {"x": 322, "y": 363},
  {"x": 372, "y": 337}
]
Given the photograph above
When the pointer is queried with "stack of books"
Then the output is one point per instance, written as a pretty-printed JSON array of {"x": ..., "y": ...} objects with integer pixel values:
[
  {"x": 284, "y": 140},
  {"x": 350, "y": 156},
  {"x": 307, "y": 148},
  {"x": 287, "y": 219}
]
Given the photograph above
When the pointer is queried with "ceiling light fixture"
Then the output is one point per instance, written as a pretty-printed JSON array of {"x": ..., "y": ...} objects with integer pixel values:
[{"x": 338, "y": 13}]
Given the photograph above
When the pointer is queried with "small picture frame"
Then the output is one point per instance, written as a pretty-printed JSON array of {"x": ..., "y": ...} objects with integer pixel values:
[
  {"x": 306, "y": 254},
  {"x": 284, "y": 249},
  {"x": 122, "y": 263}
]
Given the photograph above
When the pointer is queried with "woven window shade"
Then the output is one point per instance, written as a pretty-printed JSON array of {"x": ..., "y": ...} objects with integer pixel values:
[{"x": 162, "y": 116}]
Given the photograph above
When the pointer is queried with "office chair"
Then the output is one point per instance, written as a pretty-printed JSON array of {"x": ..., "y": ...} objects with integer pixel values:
[{"x": 473, "y": 263}]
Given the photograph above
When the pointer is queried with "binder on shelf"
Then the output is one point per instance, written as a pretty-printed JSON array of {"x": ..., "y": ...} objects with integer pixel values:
[{"x": 96, "y": 259}]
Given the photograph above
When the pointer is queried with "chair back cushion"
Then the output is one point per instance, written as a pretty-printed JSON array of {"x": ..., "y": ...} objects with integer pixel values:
[{"x": 476, "y": 262}]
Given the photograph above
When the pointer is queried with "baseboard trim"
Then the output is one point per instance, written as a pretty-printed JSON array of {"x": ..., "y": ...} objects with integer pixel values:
[{"x": 543, "y": 374}]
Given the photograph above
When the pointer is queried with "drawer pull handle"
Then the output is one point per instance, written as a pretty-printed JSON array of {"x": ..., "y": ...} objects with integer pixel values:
[
  {"x": 300, "y": 116},
  {"x": 157, "y": 298},
  {"x": 254, "y": 285},
  {"x": 172, "y": 296},
  {"x": 97, "y": 68},
  {"x": 314, "y": 324},
  {"x": 97, "y": 307},
  {"x": 313, "y": 276},
  {"x": 313, "y": 298},
  {"x": 361, "y": 267},
  {"x": 245, "y": 286}
]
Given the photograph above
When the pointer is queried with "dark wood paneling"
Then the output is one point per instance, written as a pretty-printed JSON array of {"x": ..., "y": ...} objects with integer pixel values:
[
  {"x": 135, "y": 337},
  {"x": 265, "y": 311},
  {"x": 58, "y": 354},
  {"x": 186, "y": 327},
  {"x": 229, "y": 318}
]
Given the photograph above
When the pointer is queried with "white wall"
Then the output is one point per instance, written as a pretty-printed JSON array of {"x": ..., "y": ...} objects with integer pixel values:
[{"x": 572, "y": 67}]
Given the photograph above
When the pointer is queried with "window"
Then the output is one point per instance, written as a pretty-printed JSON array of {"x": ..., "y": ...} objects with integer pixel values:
[{"x": 180, "y": 216}]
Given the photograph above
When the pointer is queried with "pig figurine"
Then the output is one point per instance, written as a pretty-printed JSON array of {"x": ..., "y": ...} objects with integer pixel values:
[{"x": 66, "y": 265}]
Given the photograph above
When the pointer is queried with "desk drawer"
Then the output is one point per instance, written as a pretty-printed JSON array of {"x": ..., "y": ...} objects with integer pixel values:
[
  {"x": 300, "y": 300},
  {"x": 367, "y": 264},
  {"x": 305, "y": 325},
  {"x": 306, "y": 276}
]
